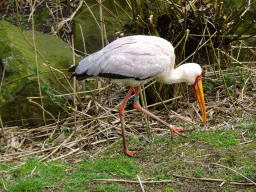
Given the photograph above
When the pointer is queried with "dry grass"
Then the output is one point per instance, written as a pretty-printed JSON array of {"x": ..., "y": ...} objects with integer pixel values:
[{"x": 89, "y": 135}]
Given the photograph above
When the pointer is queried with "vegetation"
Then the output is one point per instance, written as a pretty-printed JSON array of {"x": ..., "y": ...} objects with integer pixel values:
[
  {"x": 218, "y": 157},
  {"x": 82, "y": 149}
]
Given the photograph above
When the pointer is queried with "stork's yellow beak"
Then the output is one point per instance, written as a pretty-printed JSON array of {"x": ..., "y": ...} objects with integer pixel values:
[{"x": 198, "y": 89}]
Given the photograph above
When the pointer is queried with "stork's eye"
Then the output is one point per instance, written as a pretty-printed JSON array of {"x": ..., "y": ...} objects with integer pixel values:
[{"x": 198, "y": 78}]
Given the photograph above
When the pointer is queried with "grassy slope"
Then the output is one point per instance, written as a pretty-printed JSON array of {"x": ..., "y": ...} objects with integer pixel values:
[{"x": 162, "y": 159}]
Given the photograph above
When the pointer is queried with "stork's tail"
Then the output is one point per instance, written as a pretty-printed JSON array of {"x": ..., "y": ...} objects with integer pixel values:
[
  {"x": 78, "y": 76},
  {"x": 72, "y": 68}
]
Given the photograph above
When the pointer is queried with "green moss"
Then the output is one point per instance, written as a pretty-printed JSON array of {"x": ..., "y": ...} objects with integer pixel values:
[
  {"x": 91, "y": 31},
  {"x": 18, "y": 58}
]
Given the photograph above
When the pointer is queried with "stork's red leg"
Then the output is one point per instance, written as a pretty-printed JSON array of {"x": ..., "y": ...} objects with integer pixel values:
[
  {"x": 121, "y": 114},
  {"x": 137, "y": 106}
]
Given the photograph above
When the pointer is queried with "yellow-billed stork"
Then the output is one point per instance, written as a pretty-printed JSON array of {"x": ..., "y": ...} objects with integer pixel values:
[{"x": 134, "y": 60}]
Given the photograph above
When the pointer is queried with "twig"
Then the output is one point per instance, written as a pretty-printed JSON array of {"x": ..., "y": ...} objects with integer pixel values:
[
  {"x": 201, "y": 179},
  {"x": 130, "y": 181},
  {"x": 24, "y": 155},
  {"x": 222, "y": 183},
  {"x": 70, "y": 153},
  {"x": 243, "y": 136},
  {"x": 144, "y": 105},
  {"x": 82, "y": 34},
  {"x": 103, "y": 117},
  {"x": 101, "y": 25},
  {"x": 44, "y": 60},
  {"x": 75, "y": 96},
  {"x": 212, "y": 180},
  {"x": 250, "y": 141},
  {"x": 235, "y": 172},
  {"x": 2, "y": 80},
  {"x": 104, "y": 140},
  {"x": 110, "y": 12},
  {"x": 4, "y": 185},
  {"x": 92, "y": 14},
  {"x": 140, "y": 184},
  {"x": 70, "y": 94},
  {"x": 58, "y": 147},
  {"x": 36, "y": 60},
  {"x": 197, "y": 112},
  {"x": 221, "y": 72},
  {"x": 247, "y": 8},
  {"x": 32, "y": 172},
  {"x": 245, "y": 85},
  {"x": 50, "y": 12},
  {"x": 2, "y": 126},
  {"x": 62, "y": 23},
  {"x": 42, "y": 108},
  {"x": 109, "y": 146}
]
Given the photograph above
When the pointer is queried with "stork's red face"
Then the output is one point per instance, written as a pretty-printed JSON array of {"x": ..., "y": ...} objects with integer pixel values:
[{"x": 198, "y": 89}]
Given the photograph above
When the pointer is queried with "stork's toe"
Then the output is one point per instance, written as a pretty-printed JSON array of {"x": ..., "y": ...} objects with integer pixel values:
[
  {"x": 177, "y": 130},
  {"x": 132, "y": 153}
]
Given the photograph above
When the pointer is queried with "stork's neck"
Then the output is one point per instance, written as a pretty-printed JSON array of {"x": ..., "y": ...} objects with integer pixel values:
[
  {"x": 184, "y": 73},
  {"x": 174, "y": 76}
]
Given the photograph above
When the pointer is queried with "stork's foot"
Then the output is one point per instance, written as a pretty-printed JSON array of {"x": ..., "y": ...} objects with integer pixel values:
[
  {"x": 177, "y": 130},
  {"x": 132, "y": 153}
]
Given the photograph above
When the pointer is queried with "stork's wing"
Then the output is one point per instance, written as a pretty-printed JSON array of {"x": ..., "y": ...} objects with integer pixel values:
[{"x": 134, "y": 56}]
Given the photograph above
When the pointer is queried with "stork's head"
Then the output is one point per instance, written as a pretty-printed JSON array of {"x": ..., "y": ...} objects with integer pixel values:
[
  {"x": 192, "y": 75},
  {"x": 190, "y": 71}
]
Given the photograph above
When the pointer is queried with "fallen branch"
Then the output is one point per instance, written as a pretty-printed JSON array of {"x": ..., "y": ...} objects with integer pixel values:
[
  {"x": 42, "y": 108},
  {"x": 140, "y": 184},
  {"x": 130, "y": 181},
  {"x": 235, "y": 172},
  {"x": 213, "y": 180}
]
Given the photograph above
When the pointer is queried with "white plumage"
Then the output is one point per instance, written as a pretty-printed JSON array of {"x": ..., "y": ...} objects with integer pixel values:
[
  {"x": 138, "y": 57},
  {"x": 134, "y": 60}
]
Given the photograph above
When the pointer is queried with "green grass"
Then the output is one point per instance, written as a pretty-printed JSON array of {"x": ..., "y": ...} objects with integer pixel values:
[
  {"x": 162, "y": 159},
  {"x": 122, "y": 167},
  {"x": 36, "y": 176},
  {"x": 33, "y": 175}
]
